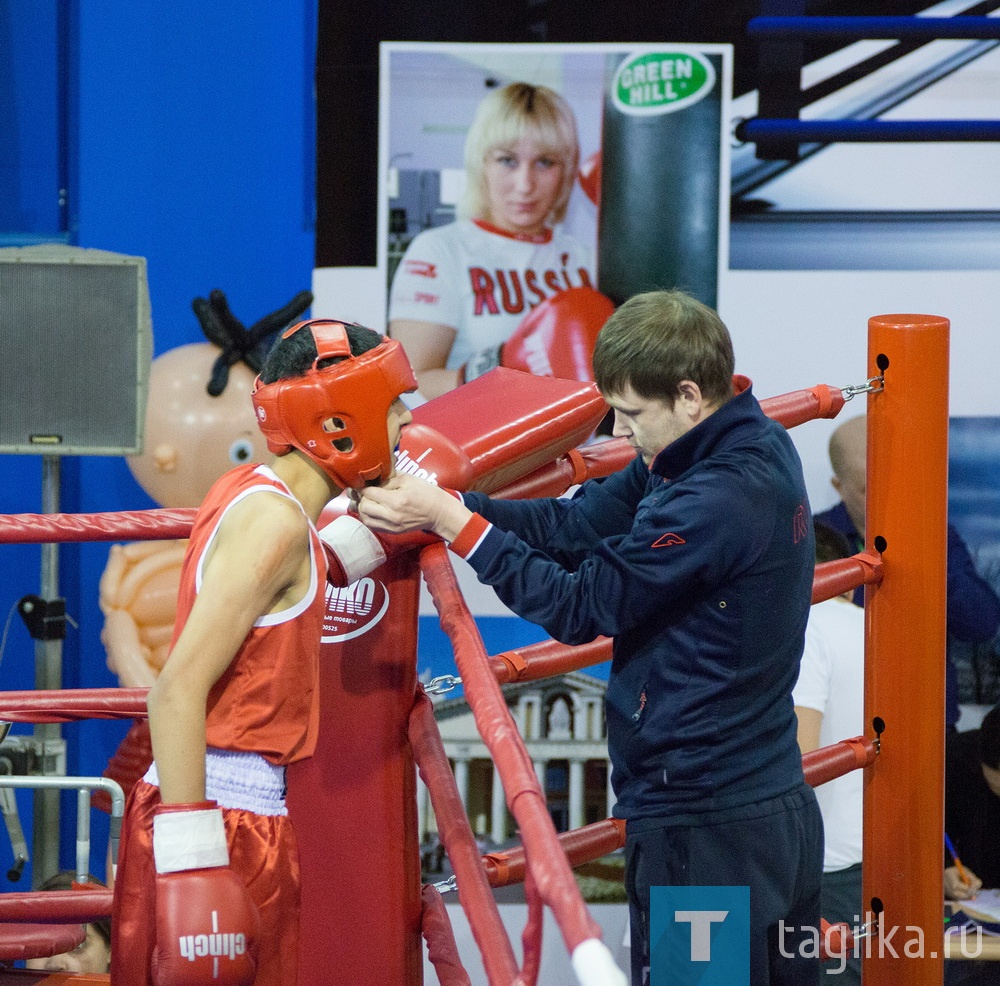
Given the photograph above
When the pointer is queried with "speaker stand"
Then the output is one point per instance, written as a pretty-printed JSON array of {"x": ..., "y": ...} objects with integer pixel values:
[{"x": 48, "y": 675}]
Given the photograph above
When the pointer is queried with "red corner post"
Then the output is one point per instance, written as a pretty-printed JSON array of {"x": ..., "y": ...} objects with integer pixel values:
[
  {"x": 906, "y": 523},
  {"x": 354, "y": 803}
]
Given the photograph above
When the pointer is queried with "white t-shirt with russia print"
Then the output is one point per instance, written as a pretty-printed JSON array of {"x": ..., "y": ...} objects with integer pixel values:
[{"x": 482, "y": 281}]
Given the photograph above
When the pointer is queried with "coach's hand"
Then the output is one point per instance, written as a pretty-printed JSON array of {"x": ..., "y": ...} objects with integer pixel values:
[{"x": 406, "y": 503}]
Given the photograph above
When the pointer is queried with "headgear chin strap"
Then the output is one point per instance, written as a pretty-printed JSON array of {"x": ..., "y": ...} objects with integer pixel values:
[{"x": 337, "y": 415}]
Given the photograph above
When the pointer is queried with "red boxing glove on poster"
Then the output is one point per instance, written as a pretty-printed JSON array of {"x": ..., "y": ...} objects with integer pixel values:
[{"x": 555, "y": 339}]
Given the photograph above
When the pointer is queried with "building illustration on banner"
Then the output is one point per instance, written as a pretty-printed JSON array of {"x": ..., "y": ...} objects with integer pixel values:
[{"x": 562, "y": 722}]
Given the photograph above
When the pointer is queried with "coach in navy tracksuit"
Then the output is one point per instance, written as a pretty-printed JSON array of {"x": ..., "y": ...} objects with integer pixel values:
[{"x": 698, "y": 560}]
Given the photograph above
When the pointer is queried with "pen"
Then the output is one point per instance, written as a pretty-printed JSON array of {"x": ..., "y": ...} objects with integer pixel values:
[{"x": 954, "y": 855}]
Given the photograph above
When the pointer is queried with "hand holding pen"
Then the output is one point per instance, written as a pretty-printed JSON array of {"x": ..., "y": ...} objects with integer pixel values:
[{"x": 960, "y": 883}]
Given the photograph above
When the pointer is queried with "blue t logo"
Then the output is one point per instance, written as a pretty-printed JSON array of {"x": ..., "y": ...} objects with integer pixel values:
[
  {"x": 699, "y": 936},
  {"x": 701, "y": 931}
]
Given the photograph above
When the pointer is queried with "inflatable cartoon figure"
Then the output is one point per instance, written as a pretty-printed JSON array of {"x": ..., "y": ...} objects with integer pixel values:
[{"x": 199, "y": 423}]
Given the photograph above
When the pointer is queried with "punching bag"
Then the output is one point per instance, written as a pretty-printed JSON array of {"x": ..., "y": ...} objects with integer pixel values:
[{"x": 661, "y": 171}]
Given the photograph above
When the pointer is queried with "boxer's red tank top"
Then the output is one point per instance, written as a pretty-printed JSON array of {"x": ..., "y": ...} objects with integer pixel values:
[{"x": 267, "y": 700}]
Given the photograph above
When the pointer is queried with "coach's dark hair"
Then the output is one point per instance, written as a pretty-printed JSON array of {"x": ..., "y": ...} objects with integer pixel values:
[{"x": 656, "y": 340}]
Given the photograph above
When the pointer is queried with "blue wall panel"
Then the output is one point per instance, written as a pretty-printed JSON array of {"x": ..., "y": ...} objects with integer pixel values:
[
  {"x": 32, "y": 117},
  {"x": 192, "y": 144}
]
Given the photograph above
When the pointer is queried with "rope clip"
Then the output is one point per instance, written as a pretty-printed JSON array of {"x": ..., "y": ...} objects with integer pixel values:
[
  {"x": 442, "y": 683},
  {"x": 873, "y": 385}
]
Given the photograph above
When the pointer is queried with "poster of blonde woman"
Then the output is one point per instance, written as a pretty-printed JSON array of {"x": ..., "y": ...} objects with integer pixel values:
[
  {"x": 531, "y": 188},
  {"x": 525, "y": 191}
]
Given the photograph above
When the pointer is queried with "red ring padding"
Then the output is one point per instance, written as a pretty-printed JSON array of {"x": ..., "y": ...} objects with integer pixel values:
[
  {"x": 38, "y": 941},
  {"x": 55, "y": 906},
  {"x": 73, "y": 704},
  {"x": 38, "y": 923},
  {"x": 38, "y": 977},
  {"x": 829, "y": 762},
  {"x": 435, "y": 925},
  {"x": 133, "y": 525}
]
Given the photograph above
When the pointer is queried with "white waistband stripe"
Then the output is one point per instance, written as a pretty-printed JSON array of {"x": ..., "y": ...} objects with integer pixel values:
[{"x": 239, "y": 780}]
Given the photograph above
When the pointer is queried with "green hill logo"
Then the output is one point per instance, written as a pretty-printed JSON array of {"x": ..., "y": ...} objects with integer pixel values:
[{"x": 661, "y": 82}]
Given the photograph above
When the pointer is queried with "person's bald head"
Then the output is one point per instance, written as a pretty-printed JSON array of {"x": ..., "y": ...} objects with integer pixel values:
[{"x": 848, "y": 457}]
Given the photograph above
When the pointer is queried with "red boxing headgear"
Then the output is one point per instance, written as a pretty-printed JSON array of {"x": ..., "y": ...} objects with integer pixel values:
[{"x": 337, "y": 415}]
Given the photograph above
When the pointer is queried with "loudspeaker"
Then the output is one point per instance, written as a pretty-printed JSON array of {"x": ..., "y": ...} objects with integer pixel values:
[{"x": 77, "y": 344}]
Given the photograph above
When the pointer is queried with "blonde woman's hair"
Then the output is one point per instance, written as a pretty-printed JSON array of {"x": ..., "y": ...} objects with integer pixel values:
[{"x": 505, "y": 116}]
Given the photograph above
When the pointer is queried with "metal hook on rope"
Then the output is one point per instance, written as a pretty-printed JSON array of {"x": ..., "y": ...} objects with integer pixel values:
[
  {"x": 446, "y": 886},
  {"x": 867, "y": 930},
  {"x": 442, "y": 683},
  {"x": 873, "y": 385}
]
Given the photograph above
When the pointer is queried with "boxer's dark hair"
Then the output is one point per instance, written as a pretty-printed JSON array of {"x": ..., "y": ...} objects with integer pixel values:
[{"x": 293, "y": 356}]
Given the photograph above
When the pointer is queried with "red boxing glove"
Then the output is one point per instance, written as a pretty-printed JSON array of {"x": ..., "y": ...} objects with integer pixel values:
[
  {"x": 556, "y": 338},
  {"x": 206, "y": 924},
  {"x": 426, "y": 453}
]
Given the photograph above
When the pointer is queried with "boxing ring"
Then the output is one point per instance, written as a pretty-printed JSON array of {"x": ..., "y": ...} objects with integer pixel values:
[
  {"x": 364, "y": 909},
  {"x": 778, "y": 130},
  {"x": 840, "y": 104}
]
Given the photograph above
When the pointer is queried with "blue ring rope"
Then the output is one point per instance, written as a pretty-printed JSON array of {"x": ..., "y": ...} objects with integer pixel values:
[
  {"x": 867, "y": 131},
  {"x": 875, "y": 28}
]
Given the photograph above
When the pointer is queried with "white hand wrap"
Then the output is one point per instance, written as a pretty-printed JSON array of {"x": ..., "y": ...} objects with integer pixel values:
[
  {"x": 594, "y": 965},
  {"x": 189, "y": 840},
  {"x": 482, "y": 362},
  {"x": 356, "y": 548}
]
